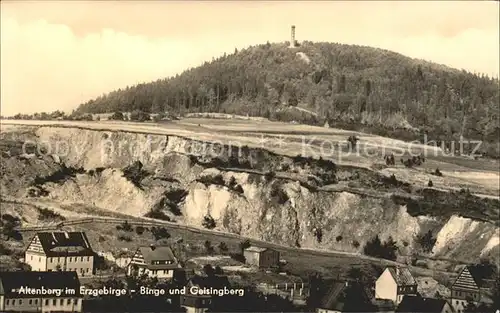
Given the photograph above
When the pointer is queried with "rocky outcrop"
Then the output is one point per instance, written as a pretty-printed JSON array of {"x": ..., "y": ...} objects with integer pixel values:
[{"x": 250, "y": 192}]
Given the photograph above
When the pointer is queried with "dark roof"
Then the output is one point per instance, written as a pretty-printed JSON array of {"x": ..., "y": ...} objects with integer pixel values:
[
  {"x": 65, "y": 244},
  {"x": 333, "y": 298},
  {"x": 402, "y": 276},
  {"x": 346, "y": 297},
  {"x": 159, "y": 253},
  {"x": 10, "y": 282},
  {"x": 479, "y": 274},
  {"x": 421, "y": 305},
  {"x": 468, "y": 279}
]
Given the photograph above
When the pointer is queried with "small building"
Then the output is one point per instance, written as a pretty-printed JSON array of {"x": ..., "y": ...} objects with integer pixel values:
[
  {"x": 423, "y": 305},
  {"x": 154, "y": 261},
  {"x": 394, "y": 283},
  {"x": 345, "y": 297},
  {"x": 199, "y": 302},
  {"x": 467, "y": 288},
  {"x": 261, "y": 257},
  {"x": 14, "y": 299},
  {"x": 60, "y": 251}
]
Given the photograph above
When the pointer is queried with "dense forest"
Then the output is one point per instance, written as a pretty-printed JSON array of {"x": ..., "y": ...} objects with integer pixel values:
[{"x": 348, "y": 86}]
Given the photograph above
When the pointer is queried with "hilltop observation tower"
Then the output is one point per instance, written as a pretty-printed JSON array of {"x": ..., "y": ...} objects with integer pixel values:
[{"x": 293, "y": 42}]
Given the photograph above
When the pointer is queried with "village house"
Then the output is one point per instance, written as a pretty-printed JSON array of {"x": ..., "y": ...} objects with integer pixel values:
[
  {"x": 60, "y": 251},
  {"x": 12, "y": 299},
  {"x": 345, "y": 297},
  {"x": 154, "y": 261},
  {"x": 394, "y": 283},
  {"x": 201, "y": 303},
  {"x": 423, "y": 305},
  {"x": 261, "y": 257},
  {"x": 467, "y": 288}
]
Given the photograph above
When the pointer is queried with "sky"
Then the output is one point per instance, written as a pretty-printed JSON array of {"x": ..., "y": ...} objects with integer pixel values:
[{"x": 56, "y": 54}]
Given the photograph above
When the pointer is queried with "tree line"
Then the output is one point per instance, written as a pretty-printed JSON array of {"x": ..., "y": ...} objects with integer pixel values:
[{"x": 345, "y": 85}]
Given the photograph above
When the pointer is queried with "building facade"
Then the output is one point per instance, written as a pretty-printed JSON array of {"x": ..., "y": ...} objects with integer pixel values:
[
  {"x": 60, "y": 251},
  {"x": 193, "y": 302},
  {"x": 394, "y": 283},
  {"x": 465, "y": 289},
  {"x": 159, "y": 262},
  {"x": 13, "y": 299},
  {"x": 261, "y": 257}
]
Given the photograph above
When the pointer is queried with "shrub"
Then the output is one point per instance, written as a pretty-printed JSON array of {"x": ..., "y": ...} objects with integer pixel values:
[
  {"x": 426, "y": 241},
  {"x": 117, "y": 116},
  {"x": 437, "y": 172},
  {"x": 139, "y": 230},
  {"x": 135, "y": 173},
  {"x": 157, "y": 214},
  {"x": 125, "y": 226},
  {"x": 212, "y": 180},
  {"x": 139, "y": 116},
  {"x": 47, "y": 214},
  {"x": 338, "y": 238},
  {"x": 244, "y": 244},
  {"x": 208, "y": 222},
  {"x": 269, "y": 175},
  {"x": 208, "y": 247},
  {"x": 355, "y": 244},
  {"x": 160, "y": 233},
  {"x": 377, "y": 249},
  {"x": 223, "y": 247},
  {"x": 430, "y": 183},
  {"x": 124, "y": 238}
]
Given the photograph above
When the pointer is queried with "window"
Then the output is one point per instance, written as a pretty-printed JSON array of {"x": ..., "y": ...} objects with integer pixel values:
[
  {"x": 54, "y": 302},
  {"x": 39, "y": 259},
  {"x": 50, "y": 260},
  {"x": 31, "y": 258},
  {"x": 61, "y": 301},
  {"x": 20, "y": 301},
  {"x": 88, "y": 270},
  {"x": 7, "y": 302},
  {"x": 30, "y": 301},
  {"x": 68, "y": 301},
  {"x": 36, "y": 301},
  {"x": 46, "y": 301}
]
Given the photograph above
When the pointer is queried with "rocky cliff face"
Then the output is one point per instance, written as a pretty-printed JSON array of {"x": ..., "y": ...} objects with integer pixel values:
[{"x": 188, "y": 180}]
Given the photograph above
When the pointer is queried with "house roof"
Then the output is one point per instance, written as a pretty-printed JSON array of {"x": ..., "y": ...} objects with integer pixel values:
[
  {"x": 332, "y": 300},
  {"x": 421, "y": 305},
  {"x": 346, "y": 296},
  {"x": 10, "y": 282},
  {"x": 402, "y": 276},
  {"x": 158, "y": 253},
  {"x": 470, "y": 278},
  {"x": 65, "y": 244},
  {"x": 255, "y": 249}
]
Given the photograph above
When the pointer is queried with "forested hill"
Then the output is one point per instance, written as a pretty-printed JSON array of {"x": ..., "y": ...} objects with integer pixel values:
[{"x": 349, "y": 86}]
